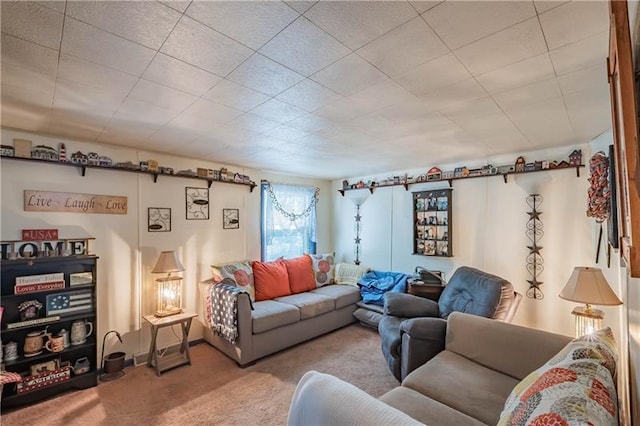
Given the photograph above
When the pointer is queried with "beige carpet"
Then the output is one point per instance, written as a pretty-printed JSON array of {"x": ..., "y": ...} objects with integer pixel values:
[{"x": 213, "y": 390}]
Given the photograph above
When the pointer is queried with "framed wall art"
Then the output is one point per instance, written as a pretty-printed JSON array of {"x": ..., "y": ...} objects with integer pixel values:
[
  {"x": 432, "y": 223},
  {"x": 230, "y": 219},
  {"x": 159, "y": 219},
  {"x": 197, "y": 203}
]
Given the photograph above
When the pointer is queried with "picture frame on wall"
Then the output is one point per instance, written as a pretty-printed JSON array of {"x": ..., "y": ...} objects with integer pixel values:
[
  {"x": 159, "y": 219},
  {"x": 230, "y": 218},
  {"x": 197, "y": 203}
]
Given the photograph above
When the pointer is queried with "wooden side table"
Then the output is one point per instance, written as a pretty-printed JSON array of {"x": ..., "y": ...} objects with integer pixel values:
[
  {"x": 172, "y": 360},
  {"x": 428, "y": 291}
]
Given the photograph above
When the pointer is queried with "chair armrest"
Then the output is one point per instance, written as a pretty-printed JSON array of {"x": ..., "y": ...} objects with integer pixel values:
[
  {"x": 422, "y": 339},
  {"x": 322, "y": 399},
  {"x": 409, "y": 306}
]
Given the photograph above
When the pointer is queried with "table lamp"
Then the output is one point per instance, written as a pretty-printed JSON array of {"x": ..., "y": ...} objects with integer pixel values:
[
  {"x": 589, "y": 286},
  {"x": 169, "y": 287}
]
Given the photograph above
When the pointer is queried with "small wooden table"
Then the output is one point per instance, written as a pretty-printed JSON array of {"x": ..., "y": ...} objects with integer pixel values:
[
  {"x": 419, "y": 288},
  {"x": 172, "y": 360}
]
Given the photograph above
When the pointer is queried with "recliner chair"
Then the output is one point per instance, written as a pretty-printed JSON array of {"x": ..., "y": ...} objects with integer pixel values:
[{"x": 412, "y": 328}]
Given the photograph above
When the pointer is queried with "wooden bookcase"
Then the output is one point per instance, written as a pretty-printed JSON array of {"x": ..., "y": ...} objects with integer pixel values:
[{"x": 432, "y": 223}]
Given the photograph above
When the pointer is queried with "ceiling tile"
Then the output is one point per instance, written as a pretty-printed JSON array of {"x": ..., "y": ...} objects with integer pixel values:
[
  {"x": 472, "y": 109},
  {"x": 180, "y": 75},
  {"x": 179, "y": 5},
  {"x": 253, "y": 123},
  {"x": 139, "y": 112},
  {"x": 122, "y": 131},
  {"x": 13, "y": 97},
  {"x": 521, "y": 73},
  {"x": 73, "y": 96},
  {"x": 581, "y": 54},
  {"x": 300, "y": 6},
  {"x": 457, "y": 93},
  {"x": 506, "y": 47},
  {"x": 526, "y": 95},
  {"x": 57, "y": 5},
  {"x": 250, "y": 23},
  {"x": 589, "y": 111},
  {"x": 488, "y": 128},
  {"x": 383, "y": 94},
  {"x": 349, "y": 75},
  {"x": 162, "y": 96},
  {"x": 591, "y": 78},
  {"x": 460, "y": 23},
  {"x": 29, "y": 55},
  {"x": 264, "y": 75},
  {"x": 145, "y": 22},
  {"x": 412, "y": 112},
  {"x": 31, "y": 22},
  {"x": 100, "y": 47},
  {"x": 169, "y": 136},
  {"x": 430, "y": 76},
  {"x": 556, "y": 129},
  {"x": 286, "y": 133},
  {"x": 193, "y": 123},
  {"x": 16, "y": 115},
  {"x": 310, "y": 123},
  {"x": 236, "y": 96},
  {"x": 419, "y": 45},
  {"x": 25, "y": 78},
  {"x": 94, "y": 75},
  {"x": 196, "y": 44},
  {"x": 587, "y": 18},
  {"x": 278, "y": 111},
  {"x": 544, "y": 5},
  {"x": 78, "y": 124},
  {"x": 215, "y": 112},
  {"x": 304, "y": 48},
  {"x": 357, "y": 23},
  {"x": 345, "y": 109},
  {"x": 423, "y": 6},
  {"x": 308, "y": 95}
]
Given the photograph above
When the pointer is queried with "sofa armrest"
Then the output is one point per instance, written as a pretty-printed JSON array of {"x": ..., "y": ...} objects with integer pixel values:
[
  {"x": 409, "y": 306},
  {"x": 321, "y": 399},
  {"x": 422, "y": 339}
]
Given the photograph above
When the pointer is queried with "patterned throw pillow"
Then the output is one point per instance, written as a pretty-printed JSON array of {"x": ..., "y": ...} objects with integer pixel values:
[
  {"x": 576, "y": 386},
  {"x": 238, "y": 274},
  {"x": 349, "y": 274},
  {"x": 323, "y": 267}
]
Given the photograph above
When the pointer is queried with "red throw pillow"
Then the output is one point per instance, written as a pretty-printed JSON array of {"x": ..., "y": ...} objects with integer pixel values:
[
  {"x": 270, "y": 279},
  {"x": 301, "y": 276}
]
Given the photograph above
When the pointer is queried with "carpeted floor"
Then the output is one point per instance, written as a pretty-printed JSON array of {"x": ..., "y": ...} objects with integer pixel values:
[{"x": 213, "y": 390}]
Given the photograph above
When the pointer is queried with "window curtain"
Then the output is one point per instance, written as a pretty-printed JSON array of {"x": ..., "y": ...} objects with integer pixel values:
[{"x": 289, "y": 222}]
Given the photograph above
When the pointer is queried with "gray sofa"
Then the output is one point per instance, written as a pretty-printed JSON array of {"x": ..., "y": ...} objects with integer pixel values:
[
  {"x": 277, "y": 324},
  {"x": 465, "y": 384}
]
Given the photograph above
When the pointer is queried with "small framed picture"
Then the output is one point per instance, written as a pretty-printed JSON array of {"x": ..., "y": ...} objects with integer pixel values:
[
  {"x": 159, "y": 219},
  {"x": 230, "y": 218},
  {"x": 197, "y": 203},
  {"x": 80, "y": 278}
]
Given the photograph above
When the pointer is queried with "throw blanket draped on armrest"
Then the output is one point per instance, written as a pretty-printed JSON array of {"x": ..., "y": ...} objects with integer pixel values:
[
  {"x": 374, "y": 284},
  {"x": 222, "y": 310}
]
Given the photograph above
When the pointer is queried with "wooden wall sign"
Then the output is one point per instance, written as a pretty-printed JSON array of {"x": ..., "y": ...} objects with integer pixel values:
[{"x": 69, "y": 202}]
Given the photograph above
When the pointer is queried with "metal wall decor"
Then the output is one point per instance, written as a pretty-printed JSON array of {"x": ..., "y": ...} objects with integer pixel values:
[
  {"x": 230, "y": 218},
  {"x": 535, "y": 261},
  {"x": 358, "y": 242},
  {"x": 158, "y": 219},
  {"x": 197, "y": 203}
]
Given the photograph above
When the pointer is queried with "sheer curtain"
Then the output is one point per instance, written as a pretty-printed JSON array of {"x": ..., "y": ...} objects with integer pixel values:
[{"x": 288, "y": 220}]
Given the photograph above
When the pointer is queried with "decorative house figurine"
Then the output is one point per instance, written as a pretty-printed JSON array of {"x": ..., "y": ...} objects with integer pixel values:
[
  {"x": 434, "y": 173},
  {"x": 165, "y": 170},
  {"x": 186, "y": 173},
  {"x": 224, "y": 174},
  {"x": 538, "y": 165},
  {"x": 62, "y": 152},
  {"x": 22, "y": 148},
  {"x": 553, "y": 164},
  {"x": 520, "y": 164},
  {"x": 529, "y": 167},
  {"x": 43, "y": 152},
  {"x": 545, "y": 165},
  {"x": 105, "y": 161},
  {"x": 509, "y": 168},
  {"x": 144, "y": 166},
  {"x": 7, "y": 150},
  {"x": 563, "y": 163},
  {"x": 93, "y": 159},
  {"x": 575, "y": 158},
  {"x": 78, "y": 158},
  {"x": 457, "y": 172},
  {"x": 448, "y": 174},
  {"x": 128, "y": 165},
  {"x": 345, "y": 184},
  {"x": 237, "y": 177}
]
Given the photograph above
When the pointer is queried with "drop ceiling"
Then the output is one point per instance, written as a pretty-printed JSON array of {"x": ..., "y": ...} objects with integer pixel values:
[{"x": 325, "y": 89}]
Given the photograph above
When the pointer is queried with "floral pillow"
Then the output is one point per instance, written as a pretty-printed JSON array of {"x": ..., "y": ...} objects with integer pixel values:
[
  {"x": 576, "y": 386},
  {"x": 323, "y": 268},
  {"x": 238, "y": 274}
]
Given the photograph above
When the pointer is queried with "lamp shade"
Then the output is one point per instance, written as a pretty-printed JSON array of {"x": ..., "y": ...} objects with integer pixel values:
[
  {"x": 167, "y": 262},
  {"x": 588, "y": 285}
]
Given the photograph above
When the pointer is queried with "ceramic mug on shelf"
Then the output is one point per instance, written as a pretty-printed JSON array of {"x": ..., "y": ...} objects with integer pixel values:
[
  {"x": 34, "y": 342},
  {"x": 55, "y": 344},
  {"x": 65, "y": 337},
  {"x": 80, "y": 330}
]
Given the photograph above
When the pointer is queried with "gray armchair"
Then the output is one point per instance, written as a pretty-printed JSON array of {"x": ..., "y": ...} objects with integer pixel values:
[{"x": 412, "y": 329}]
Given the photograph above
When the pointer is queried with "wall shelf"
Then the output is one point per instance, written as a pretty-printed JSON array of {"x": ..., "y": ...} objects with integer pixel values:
[
  {"x": 450, "y": 180},
  {"x": 83, "y": 170}
]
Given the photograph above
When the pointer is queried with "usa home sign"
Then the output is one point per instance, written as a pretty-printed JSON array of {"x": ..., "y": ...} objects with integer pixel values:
[{"x": 69, "y": 202}]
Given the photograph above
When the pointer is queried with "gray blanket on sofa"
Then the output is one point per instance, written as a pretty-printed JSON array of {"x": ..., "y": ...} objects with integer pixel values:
[{"x": 223, "y": 317}]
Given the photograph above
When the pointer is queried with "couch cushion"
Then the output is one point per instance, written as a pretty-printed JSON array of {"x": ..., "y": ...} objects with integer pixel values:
[
  {"x": 463, "y": 385},
  {"x": 238, "y": 274},
  {"x": 269, "y": 314},
  {"x": 426, "y": 410},
  {"x": 271, "y": 279},
  {"x": 343, "y": 295},
  {"x": 349, "y": 274},
  {"x": 575, "y": 387},
  {"x": 309, "y": 304},
  {"x": 300, "y": 273},
  {"x": 323, "y": 268}
]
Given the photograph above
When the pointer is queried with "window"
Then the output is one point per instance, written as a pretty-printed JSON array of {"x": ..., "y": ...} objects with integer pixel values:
[{"x": 288, "y": 220}]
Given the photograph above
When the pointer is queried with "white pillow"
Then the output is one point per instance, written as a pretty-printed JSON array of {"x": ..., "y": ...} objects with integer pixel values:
[{"x": 349, "y": 274}]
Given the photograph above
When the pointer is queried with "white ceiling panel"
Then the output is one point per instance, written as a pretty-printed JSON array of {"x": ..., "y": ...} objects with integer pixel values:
[
  {"x": 308, "y": 95},
  {"x": 236, "y": 96},
  {"x": 193, "y": 123},
  {"x": 264, "y": 75},
  {"x": 100, "y": 47},
  {"x": 29, "y": 55},
  {"x": 526, "y": 95},
  {"x": 73, "y": 96},
  {"x": 467, "y": 111},
  {"x": 519, "y": 74},
  {"x": 179, "y": 75},
  {"x": 94, "y": 75},
  {"x": 357, "y": 23},
  {"x": 147, "y": 114},
  {"x": 252, "y": 23},
  {"x": 25, "y": 78},
  {"x": 20, "y": 17},
  {"x": 506, "y": 47},
  {"x": 168, "y": 136},
  {"x": 199, "y": 45},
  {"x": 588, "y": 113},
  {"x": 422, "y": 6},
  {"x": 278, "y": 111},
  {"x": 253, "y": 123},
  {"x": 345, "y": 109},
  {"x": 419, "y": 45},
  {"x": 179, "y": 5},
  {"x": 431, "y": 75},
  {"x": 304, "y": 48},
  {"x": 460, "y": 23},
  {"x": 17, "y": 115},
  {"x": 309, "y": 123},
  {"x": 162, "y": 96},
  {"x": 57, "y": 5},
  {"x": 349, "y": 75},
  {"x": 383, "y": 94},
  {"x": 286, "y": 133},
  {"x": 300, "y": 6},
  {"x": 130, "y": 19},
  {"x": 587, "y": 18},
  {"x": 24, "y": 98},
  {"x": 581, "y": 54},
  {"x": 544, "y": 5},
  {"x": 557, "y": 128},
  {"x": 215, "y": 112},
  {"x": 589, "y": 79},
  {"x": 455, "y": 94}
]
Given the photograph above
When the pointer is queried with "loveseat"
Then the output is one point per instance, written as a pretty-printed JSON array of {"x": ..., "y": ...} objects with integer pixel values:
[
  {"x": 489, "y": 373},
  {"x": 283, "y": 303}
]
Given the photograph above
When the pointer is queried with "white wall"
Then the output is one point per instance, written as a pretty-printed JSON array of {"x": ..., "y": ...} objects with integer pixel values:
[{"x": 127, "y": 251}]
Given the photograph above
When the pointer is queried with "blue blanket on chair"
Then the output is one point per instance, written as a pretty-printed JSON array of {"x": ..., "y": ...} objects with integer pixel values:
[{"x": 374, "y": 284}]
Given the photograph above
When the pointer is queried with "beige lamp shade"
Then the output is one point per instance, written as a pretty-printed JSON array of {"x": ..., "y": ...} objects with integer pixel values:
[
  {"x": 168, "y": 262},
  {"x": 588, "y": 285}
]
